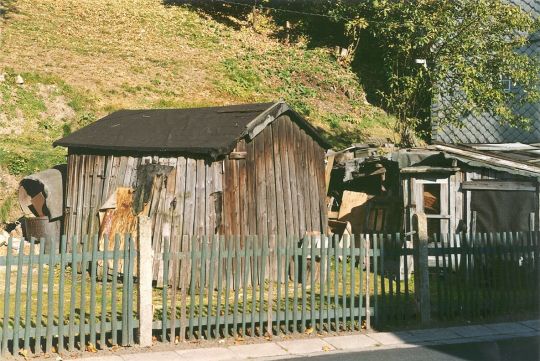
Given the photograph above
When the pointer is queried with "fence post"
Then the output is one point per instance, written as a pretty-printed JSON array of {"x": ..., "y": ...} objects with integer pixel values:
[
  {"x": 421, "y": 276},
  {"x": 144, "y": 260}
]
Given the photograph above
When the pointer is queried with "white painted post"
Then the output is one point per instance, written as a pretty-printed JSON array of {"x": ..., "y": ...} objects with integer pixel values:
[{"x": 145, "y": 258}]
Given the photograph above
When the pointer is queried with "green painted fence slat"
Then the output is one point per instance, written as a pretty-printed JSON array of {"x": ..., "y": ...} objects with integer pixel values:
[
  {"x": 220, "y": 273},
  {"x": 382, "y": 275},
  {"x": 114, "y": 286},
  {"x": 228, "y": 280},
  {"x": 61, "y": 293},
  {"x": 18, "y": 286},
  {"x": 192, "y": 284},
  {"x": 305, "y": 243},
  {"x": 104, "y": 279},
  {"x": 328, "y": 255},
  {"x": 262, "y": 277},
  {"x": 343, "y": 251},
  {"x": 375, "y": 273},
  {"x": 93, "y": 274},
  {"x": 211, "y": 286},
  {"x": 5, "y": 322},
  {"x": 125, "y": 292},
  {"x": 29, "y": 298},
  {"x": 165, "y": 289},
  {"x": 279, "y": 260},
  {"x": 131, "y": 298},
  {"x": 362, "y": 291},
  {"x": 336, "y": 283},
  {"x": 82, "y": 309},
  {"x": 313, "y": 266},
  {"x": 73, "y": 295},
  {"x": 254, "y": 273},
  {"x": 244, "y": 283},
  {"x": 202, "y": 282},
  {"x": 352, "y": 278},
  {"x": 287, "y": 276},
  {"x": 238, "y": 258},
  {"x": 50, "y": 295},
  {"x": 39, "y": 308},
  {"x": 322, "y": 275},
  {"x": 295, "y": 289}
]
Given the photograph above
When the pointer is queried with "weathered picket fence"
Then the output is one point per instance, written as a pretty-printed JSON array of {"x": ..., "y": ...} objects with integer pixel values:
[
  {"x": 471, "y": 277},
  {"x": 259, "y": 286},
  {"x": 255, "y": 286},
  {"x": 55, "y": 300}
]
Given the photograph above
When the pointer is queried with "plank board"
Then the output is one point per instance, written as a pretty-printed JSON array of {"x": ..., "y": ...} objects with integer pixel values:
[{"x": 281, "y": 141}]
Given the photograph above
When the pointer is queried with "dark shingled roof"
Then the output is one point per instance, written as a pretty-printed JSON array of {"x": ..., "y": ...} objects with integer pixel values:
[{"x": 212, "y": 131}]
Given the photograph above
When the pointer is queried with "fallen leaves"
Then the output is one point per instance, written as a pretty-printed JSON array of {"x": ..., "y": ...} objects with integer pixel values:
[
  {"x": 326, "y": 348},
  {"x": 91, "y": 348},
  {"x": 23, "y": 353}
]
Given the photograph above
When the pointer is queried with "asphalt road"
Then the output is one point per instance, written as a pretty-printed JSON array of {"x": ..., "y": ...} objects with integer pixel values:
[{"x": 517, "y": 349}]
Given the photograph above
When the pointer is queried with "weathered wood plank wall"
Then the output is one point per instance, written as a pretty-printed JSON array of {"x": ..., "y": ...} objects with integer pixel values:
[{"x": 278, "y": 189}]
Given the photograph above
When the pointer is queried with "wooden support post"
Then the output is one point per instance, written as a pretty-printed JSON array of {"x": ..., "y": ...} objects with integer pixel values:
[
  {"x": 421, "y": 274},
  {"x": 145, "y": 261},
  {"x": 328, "y": 170}
]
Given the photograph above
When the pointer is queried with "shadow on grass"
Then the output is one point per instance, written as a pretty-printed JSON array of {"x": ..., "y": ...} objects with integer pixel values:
[{"x": 291, "y": 21}]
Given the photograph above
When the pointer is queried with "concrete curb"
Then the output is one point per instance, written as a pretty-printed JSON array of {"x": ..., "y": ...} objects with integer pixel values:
[{"x": 338, "y": 344}]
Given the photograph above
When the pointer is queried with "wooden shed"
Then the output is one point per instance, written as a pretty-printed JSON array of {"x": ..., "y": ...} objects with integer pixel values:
[{"x": 253, "y": 169}]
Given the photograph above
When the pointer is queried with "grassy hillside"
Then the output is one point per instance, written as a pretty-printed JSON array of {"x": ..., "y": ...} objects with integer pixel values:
[{"x": 83, "y": 59}]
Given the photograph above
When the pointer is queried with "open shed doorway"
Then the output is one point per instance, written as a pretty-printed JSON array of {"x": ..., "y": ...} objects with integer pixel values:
[{"x": 432, "y": 197}]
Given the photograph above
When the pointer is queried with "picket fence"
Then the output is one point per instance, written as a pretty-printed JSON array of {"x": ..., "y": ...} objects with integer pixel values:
[
  {"x": 67, "y": 303},
  {"x": 251, "y": 286},
  {"x": 472, "y": 277},
  {"x": 263, "y": 286}
]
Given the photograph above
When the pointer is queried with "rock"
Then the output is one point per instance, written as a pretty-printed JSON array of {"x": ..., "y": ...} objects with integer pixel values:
[
  {"x": 4, "y": 236},
  {"x": 19, "y": 80},
  {"x": 2, "y": 77}
]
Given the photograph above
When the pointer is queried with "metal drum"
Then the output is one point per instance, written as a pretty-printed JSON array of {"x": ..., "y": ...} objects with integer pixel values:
[{"x": 41, "y": 227}]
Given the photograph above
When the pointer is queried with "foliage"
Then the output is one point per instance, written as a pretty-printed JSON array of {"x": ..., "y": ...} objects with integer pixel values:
[{"x": 467, "y": 46}]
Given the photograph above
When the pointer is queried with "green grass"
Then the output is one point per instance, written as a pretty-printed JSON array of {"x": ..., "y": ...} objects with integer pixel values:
[
  {"x": 5, "y": 208},
  {"x": 26, "y": 156},
  {"x": 101, "y": 56}
]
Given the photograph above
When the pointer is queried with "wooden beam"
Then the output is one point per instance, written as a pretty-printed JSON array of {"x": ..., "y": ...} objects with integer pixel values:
[
  {"x": 427, "y": 169},
  {"x": 328, "y": 169},
  {"x": 499, "y": 185},
  {"x": 377, "y": 171},
  {"x": 237, "y": 155},
  {"x": 489, "y": 159}
]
